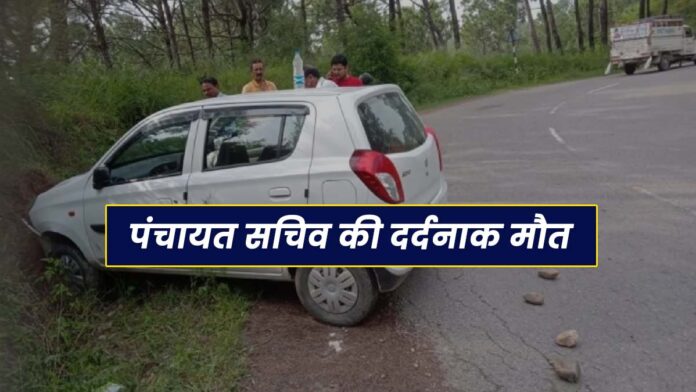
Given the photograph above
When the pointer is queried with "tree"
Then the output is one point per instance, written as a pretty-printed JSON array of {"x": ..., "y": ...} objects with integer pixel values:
[
  {"x": 590, "y": 24},
  {"x": 305, "y": 29},
  {"x": 205, "y": 11},
  {"x": 547, "y": 29},
  {"x": 530, "y": 20},
  {"x": 578, "y": 26},
  {"x": 392, "y": 15},
  {"x": 434, "y": 31},
  {"x": 554, "y": 28},
  {"x": 664, "y": 7},
  {"x": 58, "y": 14},
  {"x": 455, "y": 24},
  {"x": 604, "y": 22},
  {"x": 641, "y": 9},
  {"x": 93, "y": 10},
  {"x": 184, "y": 23},
  {"x": 169, "y": 25}
]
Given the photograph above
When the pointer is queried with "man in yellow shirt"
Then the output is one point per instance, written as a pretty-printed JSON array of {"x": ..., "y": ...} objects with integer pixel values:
[{"x": 258, "y": 83}]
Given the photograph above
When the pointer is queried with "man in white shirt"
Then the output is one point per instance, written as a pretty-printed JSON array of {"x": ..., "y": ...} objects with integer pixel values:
[
  {"x": 210, "y": 88},
  {"x": 313, "y": 79}
]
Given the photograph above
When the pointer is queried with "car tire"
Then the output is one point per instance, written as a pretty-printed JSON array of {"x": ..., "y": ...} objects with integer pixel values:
[
  {"x": 80, "y": 276},
  {"x": 337, "y": 296},
  {"x": 664, "y": 64},
  {"x": 629, "y": 69}
]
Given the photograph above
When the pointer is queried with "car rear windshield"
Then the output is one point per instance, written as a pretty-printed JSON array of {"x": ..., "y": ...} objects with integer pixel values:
[{"x": 390, "y": 124}]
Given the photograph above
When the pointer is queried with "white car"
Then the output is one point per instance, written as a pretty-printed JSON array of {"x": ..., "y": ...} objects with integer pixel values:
[{"x": 314, "y": 146}]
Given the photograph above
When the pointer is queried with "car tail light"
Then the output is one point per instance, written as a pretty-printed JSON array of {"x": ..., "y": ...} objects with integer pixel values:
[
  {"x": 379, "y": 174},
  {"x": 431, "y": 131}
]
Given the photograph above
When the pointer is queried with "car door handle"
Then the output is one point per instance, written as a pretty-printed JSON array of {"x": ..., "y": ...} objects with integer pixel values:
[{"x": 279, "y": 192}]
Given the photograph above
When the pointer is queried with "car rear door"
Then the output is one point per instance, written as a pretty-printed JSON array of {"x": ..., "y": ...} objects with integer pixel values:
[
  {"x": 391, "y": 126},
  {"x": 253, "y": 155}
]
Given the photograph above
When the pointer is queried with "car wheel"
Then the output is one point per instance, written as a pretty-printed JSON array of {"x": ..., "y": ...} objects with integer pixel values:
[
  {"x": 337, "y": 296},
  {"x": 79, "y": 275},
  {"x": 629, "y": 69},
  {"x": 664, "y": 64}
]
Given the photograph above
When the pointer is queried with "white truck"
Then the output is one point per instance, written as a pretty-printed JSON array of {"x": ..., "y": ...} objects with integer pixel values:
[{"x": 660, "y": 40}]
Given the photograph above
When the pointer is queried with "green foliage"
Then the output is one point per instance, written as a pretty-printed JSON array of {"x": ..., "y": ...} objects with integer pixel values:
[
  {"x": 169, "y": 338},
  {"x": 437, "y": 77},
  {"x": 74, "y": 115},
  {"x": 371, "y": 47}
]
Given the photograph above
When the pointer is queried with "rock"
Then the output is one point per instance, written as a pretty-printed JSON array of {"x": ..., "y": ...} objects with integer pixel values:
[
  {"x": 566, "y": 369},
  {"x": 534, "y": 298},
  {"x": 567, "y": 338},
  {"x": 112, "y": 387},
  {"x": 549, "y": 274}
]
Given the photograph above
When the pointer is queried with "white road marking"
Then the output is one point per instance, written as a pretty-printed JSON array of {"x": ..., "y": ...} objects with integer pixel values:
[
  {"x": 662, "y": 199},
  {"x": 559, "y": 139},
  {"x": 602, "y": 88},
  {"x": 555, "y": 108}
]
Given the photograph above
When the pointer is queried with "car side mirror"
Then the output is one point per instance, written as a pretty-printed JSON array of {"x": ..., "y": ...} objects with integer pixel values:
[{"x": 101, "y": 177}]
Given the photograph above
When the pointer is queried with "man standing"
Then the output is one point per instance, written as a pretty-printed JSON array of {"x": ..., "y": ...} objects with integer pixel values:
[
  {"x": 312, "y": 79},
  {"x": 209, "y": 87},
  {"x": 339, "y": 72},
  {"x": 258, "y": 83}
]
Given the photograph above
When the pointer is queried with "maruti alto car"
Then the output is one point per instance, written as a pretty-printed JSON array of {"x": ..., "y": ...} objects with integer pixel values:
[{"x": 313, "y": 146}]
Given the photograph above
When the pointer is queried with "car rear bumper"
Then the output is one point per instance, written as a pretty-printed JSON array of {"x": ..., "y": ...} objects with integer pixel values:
[{"x": 441, "y": 196}]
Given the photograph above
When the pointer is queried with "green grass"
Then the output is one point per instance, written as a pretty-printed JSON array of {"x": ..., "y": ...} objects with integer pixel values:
[{"x": 170, "y": 338}]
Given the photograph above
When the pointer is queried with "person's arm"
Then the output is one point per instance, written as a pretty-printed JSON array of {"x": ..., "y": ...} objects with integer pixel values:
[
  {"x": 245, "y": 89},
  {"x": 272, "y": 86}
]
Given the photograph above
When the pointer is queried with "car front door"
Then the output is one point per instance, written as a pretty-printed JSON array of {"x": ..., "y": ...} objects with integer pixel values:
[{"x": 151, "y": 166}]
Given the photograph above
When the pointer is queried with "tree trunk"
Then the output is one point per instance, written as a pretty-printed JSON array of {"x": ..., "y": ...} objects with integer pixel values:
[
  {"x": 59, "y": 30},
  {"x": 161, "y": 19},
  {"x": 305, "y": 29},
  {"x": 455, "y": 25},
  {"x": 604, "y": 22},
  {"x": 664, "y": 7},
  {"x": 391, "y": 11},
  {"x": 533, "y": 33},
  {"x": 641, "y": 9},
  {"x": 186, "y": 32},
  {"x": 205, "y": 10},
  {"x": 250, "y": 25},
  {"x": 434, "y": 32},
  {"x": 554, "y": 28},
  {"x": 590, "y": 23},
  {"x": 647, "y": 8},
  {"x": 547, "y": 29},
  {"x": 398, "y": 15},
  {"x": 102, "y": 45},
  {"x": 172, "y": 32}
]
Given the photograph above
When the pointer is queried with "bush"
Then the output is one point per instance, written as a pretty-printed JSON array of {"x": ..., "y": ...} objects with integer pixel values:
[{"x": 73, "y": 115}]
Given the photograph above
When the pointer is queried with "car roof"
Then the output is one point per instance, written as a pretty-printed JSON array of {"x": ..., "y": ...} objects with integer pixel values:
[{"x": 299, "y": 95}]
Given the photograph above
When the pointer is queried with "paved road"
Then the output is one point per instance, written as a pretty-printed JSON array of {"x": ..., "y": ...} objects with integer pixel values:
[{"x": 627, "y": 143}]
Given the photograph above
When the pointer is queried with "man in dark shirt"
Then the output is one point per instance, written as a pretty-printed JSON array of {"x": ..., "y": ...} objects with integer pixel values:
[{"x": 339, "y": 72}]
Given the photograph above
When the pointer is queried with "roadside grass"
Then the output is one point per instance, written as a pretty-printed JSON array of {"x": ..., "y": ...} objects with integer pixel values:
[{"x": 183, "y": 334}]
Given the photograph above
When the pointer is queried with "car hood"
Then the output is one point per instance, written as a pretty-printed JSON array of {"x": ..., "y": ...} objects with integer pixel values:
[{"x": 66, "y": 192}]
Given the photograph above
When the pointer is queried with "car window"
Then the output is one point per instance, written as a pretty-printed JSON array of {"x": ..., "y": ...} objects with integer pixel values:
[
  {"x": 156, "y": 151},
  {"x": 390, "y": 124},
  {"x": 245, "y": 137}
]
